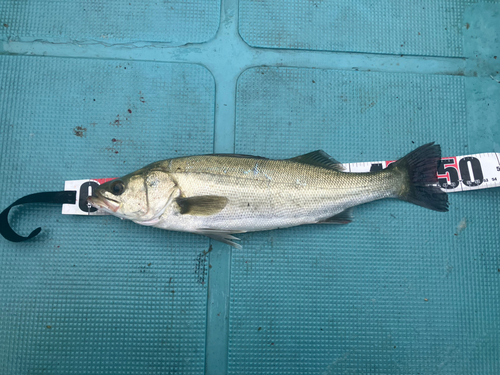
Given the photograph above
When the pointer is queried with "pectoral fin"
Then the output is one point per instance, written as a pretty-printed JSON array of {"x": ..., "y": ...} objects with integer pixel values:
[{"x": 204, "y": 205}]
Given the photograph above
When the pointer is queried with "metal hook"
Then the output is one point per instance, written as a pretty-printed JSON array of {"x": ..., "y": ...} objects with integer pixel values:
[{"x": 59, "y": 197}]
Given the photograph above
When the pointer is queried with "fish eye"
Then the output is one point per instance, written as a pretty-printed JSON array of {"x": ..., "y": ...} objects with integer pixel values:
[{"x": 117, "y": 187}]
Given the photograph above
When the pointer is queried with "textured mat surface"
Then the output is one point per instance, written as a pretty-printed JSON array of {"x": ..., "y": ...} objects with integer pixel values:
[
  {"x": 376, "y": 115},
  {"x": 99, "y": 295},
  {"x": 174, "y": 21},
  {"x": 401, "y": 290},
  {"x": 392, "y": 292},
  {"x": 426, "y": 27}
]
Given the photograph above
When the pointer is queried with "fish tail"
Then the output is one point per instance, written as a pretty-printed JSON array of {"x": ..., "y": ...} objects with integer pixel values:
[{"x": 419, "y": 170}]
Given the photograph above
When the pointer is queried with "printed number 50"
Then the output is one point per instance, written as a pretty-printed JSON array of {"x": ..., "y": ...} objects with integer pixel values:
[{"x": 470, "y": 170}]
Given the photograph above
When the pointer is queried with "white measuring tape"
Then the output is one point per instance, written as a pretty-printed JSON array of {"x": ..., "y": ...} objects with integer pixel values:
[{"x": 455, "y": 174}]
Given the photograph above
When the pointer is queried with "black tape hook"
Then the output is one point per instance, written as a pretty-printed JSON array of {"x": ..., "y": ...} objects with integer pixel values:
[{"x": 59, "y": 197}]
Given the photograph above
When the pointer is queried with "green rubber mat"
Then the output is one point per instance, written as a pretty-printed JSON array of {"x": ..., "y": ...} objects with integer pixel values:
[
  {"x": 425, "y": 27},
  {"x": 86, "y": 296},
  {"x": 174, "y": 22},
  {"x": 357, "y": 298},
  {"x": 96, "y": 89}
]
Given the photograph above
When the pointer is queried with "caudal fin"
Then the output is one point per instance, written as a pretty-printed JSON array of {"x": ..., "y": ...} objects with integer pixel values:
[{"x": 420, "y": 185}]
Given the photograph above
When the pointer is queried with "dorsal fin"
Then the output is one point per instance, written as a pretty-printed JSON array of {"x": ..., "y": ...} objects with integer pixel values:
[{"x": 319, "y": 158}]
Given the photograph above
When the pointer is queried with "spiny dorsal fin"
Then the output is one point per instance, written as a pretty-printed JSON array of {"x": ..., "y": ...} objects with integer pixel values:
[
  {"x": 204, "y": 205},
  {"x": 319, "y": 159}
]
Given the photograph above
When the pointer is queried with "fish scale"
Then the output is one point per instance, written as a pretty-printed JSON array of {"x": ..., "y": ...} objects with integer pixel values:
[{"x": 306, "y": 185}]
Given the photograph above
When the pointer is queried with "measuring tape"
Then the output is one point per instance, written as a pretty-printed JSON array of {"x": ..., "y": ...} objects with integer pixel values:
[{"x": 455, "y": 174}]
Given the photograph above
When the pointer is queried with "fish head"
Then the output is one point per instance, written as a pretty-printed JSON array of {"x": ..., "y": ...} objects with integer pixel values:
[{"x": 141, "y": 196}]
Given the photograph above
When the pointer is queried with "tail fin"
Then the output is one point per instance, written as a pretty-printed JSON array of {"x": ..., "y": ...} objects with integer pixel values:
[{"x": 421, "y": 187}]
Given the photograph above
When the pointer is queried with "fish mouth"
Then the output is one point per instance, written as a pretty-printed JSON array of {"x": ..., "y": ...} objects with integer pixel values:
[{"x": 102, "y": 203}]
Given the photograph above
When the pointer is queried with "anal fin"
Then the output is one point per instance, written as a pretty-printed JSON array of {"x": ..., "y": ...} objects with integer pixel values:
[{"x": 344, "y": 217}]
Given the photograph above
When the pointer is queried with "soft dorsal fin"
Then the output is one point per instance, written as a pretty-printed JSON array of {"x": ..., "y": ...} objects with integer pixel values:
[{"x": 319, "y": 158}]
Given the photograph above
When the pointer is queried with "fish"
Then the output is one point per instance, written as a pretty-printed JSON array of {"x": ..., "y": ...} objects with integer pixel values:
[{"x": 220, "y": 195}]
